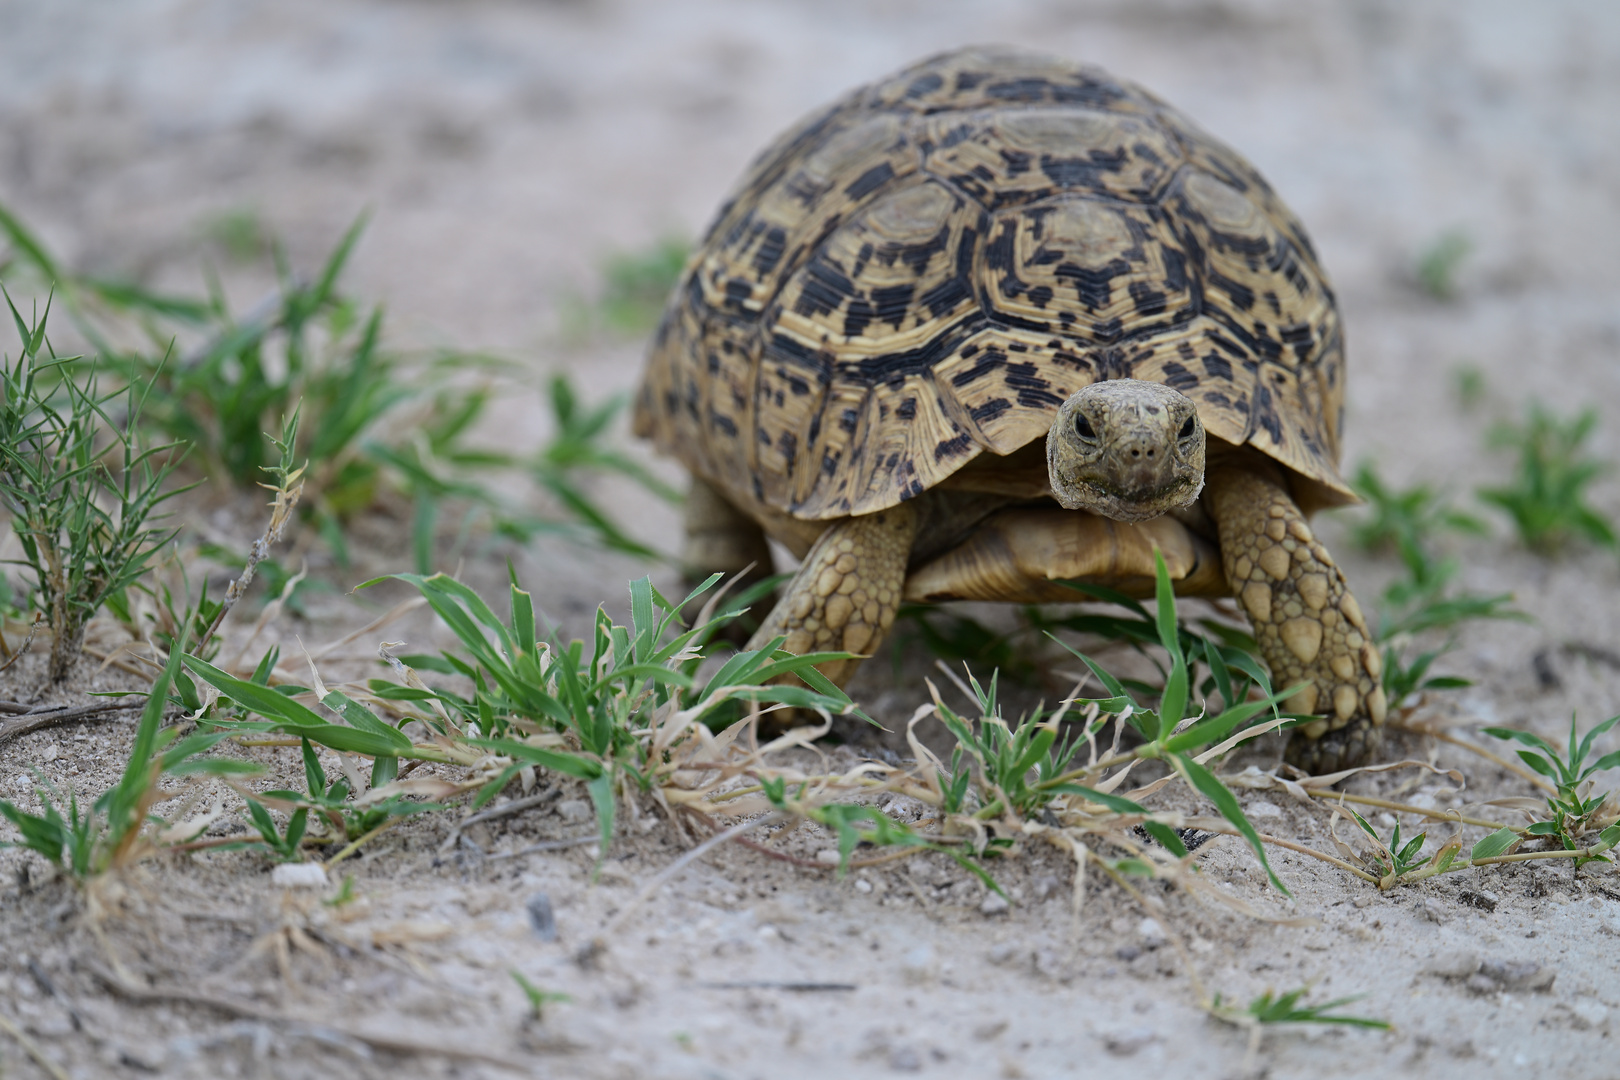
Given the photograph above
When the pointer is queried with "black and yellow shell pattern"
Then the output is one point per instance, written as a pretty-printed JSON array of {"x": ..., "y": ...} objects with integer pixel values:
[{"x": 929, "y": 268}]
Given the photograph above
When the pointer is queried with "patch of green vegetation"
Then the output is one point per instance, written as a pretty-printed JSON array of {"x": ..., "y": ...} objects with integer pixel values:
[
  {"x": 537, "y": 998},
  {"x": 1572, "y": 810},
  {"x": 240, "y": 234},
  {"x": 109, "y": 834},
  {"x": 1469, "y": 384},
  {"x": 82, "y": 490},
  {"x": 1437, "y": 266},
  {"x": 1547, "y": 501},
  {"x": 375, "y": 422},
  {"x": 636, "y": 286},
  {"x": 1409, "y": 523},
  {"x": 1270, "y": 1008}
]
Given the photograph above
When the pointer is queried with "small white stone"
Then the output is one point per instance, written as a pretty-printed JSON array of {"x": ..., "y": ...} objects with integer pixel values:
[
  {"x": 303, "y": 875},
  {"x": 1263, "y": 809},
  {"x": 1151, "y": 933},
  {"x": 50, "y": 752},
  {"x": 862, "y": 885},
  {"x": 1589, "y": 1014},
  {"x": 994, "y": 904},
  {"x": 574, "y": 810},
  {"x": 919, "y": 964},
  {"x": 827, "y": 856}
]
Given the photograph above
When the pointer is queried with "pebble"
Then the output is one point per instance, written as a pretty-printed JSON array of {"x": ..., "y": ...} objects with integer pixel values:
[
  {"x": 994, "y": 904},
  {"x": 828, "y": 857},
  {"x": 1151, "y": 933},
  {"x": 573, "y": 810},
  {"x": 1458, "y": 965},
  {"x": 299, "y": 875},
  {"x": 1519, "y": 975},
  {"x": 1589, "y": 1014},
  {"x": 542, "y": 919},
  {"x": 919, "y": 964},
  {"x": 1127, "y": 1042},
  {"x": 1263, "y": 809},
  {"x": 904, "y": 1059},
  {"x": 862, "y": 885},
  {"x": 50, "y": 752}
]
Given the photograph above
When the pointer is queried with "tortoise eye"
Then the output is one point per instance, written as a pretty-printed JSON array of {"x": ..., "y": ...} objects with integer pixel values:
[
  {"x": 1082, "y": 427},
  {"x": 1186, "y": 429}
]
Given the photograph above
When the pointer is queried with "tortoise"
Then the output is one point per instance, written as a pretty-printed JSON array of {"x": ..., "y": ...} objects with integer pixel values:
[{"x": 1002, "y": 320}]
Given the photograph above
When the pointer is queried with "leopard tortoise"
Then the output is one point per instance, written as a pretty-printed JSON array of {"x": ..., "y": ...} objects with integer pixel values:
[{"x": 1002, "y": 319}]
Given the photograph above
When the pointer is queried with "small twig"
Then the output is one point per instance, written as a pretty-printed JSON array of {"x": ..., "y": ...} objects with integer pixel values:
[
  {"x": 261, "y": 318},
  {"x": 292, "y": 486},
  {"x": 399, "y": 610},
  {"x": 767, "y": 984},
  {"x": 674, "y": 868},
  {"x": 33, "y": 629},
  {"x": 35, "y": 719},
  {"x": 32, "y": 1049},
  {"x": 811, "y": 864},
  {"x": 1165, "y": 924},
  {"x": 549, "y": 845},
  {"x": 354, "y": 845},
  {"x": 246, "y": 1011},
  {"x": 1404, "y": 808},
  {"x": 1510, "y": 766}
]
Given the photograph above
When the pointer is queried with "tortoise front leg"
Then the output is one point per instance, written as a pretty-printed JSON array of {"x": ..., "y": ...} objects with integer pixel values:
[
  {"x": 1310, "y": 629},
  {"x": 719, "y": 537},
  {"x": 847, "y": 591}
]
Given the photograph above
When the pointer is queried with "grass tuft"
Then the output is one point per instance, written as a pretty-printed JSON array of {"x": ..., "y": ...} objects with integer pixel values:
[{"x": 1547, "y": 501}]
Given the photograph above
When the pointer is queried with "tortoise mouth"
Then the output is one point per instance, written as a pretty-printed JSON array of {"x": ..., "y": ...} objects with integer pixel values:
[{"x": 1130, "y": 506}]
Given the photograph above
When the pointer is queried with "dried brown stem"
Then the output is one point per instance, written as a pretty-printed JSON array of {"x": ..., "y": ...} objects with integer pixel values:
[
  {"x": 35, "y": 719},
  {"x": 395, "y": 1044}
]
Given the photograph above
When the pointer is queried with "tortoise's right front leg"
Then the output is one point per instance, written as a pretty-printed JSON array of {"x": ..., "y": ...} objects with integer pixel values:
[
  {"x": 1309, "y": 628},
  {"x": 846, "y": 593}
]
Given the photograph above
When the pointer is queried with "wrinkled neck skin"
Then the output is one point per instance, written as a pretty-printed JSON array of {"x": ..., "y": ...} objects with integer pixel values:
[{"x": 1127, "y": 450}]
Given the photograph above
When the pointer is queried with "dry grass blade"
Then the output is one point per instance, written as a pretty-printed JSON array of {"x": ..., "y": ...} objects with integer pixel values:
[
  {"x": 599, "y": 942},
  {"x": 36, "y": 719},
  {"x": 397, "y": 1044},
  {"x": 32, "y": 1049}
]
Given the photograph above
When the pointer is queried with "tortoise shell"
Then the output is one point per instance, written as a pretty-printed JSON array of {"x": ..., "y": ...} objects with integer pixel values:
[{"x": 926, "y": 270}]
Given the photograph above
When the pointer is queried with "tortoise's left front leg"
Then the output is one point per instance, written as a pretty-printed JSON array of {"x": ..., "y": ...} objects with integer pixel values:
[
  {"x": 847, "y": 591},
  {"x": 1310, "y": 629}
]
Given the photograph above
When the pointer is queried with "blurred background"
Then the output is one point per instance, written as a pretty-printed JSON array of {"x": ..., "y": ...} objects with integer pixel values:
[
  {"x": 534, "y": 171},
  {"x": 509, "y": 150}
]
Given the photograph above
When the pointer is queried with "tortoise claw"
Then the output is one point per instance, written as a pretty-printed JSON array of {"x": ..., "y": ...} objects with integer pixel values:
[{"x": 1344, "y": 748}]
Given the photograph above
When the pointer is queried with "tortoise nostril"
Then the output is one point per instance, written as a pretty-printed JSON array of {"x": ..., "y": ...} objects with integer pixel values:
[
  {"x": 1136, "y": 453},
  {"x": 1150, "y": 453}
]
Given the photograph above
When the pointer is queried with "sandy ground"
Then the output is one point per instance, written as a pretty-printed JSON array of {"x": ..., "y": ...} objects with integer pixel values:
[{"x": 504, "y": 150}]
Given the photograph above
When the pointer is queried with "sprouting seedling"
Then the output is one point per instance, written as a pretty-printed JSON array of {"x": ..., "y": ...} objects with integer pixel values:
[
  {"x": 538, "y": 999},
  {"x": 1393, "y": 859},
  {"x": 1409, "y": 522},
  {"x": 1547, "y": 500},
  {"x": 1437, "y": 266},
  {"x": 1270, "y": 1008},
  {"x": 1573, "y": 810}
]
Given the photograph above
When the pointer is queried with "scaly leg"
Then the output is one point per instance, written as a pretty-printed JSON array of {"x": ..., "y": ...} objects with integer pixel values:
[
  {"x": 846, "y": 593},
  {"x": 719, "y": 537},
  {"x": 1309, "y": 627}
]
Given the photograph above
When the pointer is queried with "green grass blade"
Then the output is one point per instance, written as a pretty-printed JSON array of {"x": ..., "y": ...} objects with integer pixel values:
[{"x": 1216, "y": 792}]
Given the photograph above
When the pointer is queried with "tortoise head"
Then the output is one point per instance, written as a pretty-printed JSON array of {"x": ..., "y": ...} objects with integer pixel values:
[{"x": 1127, "y": 450}]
